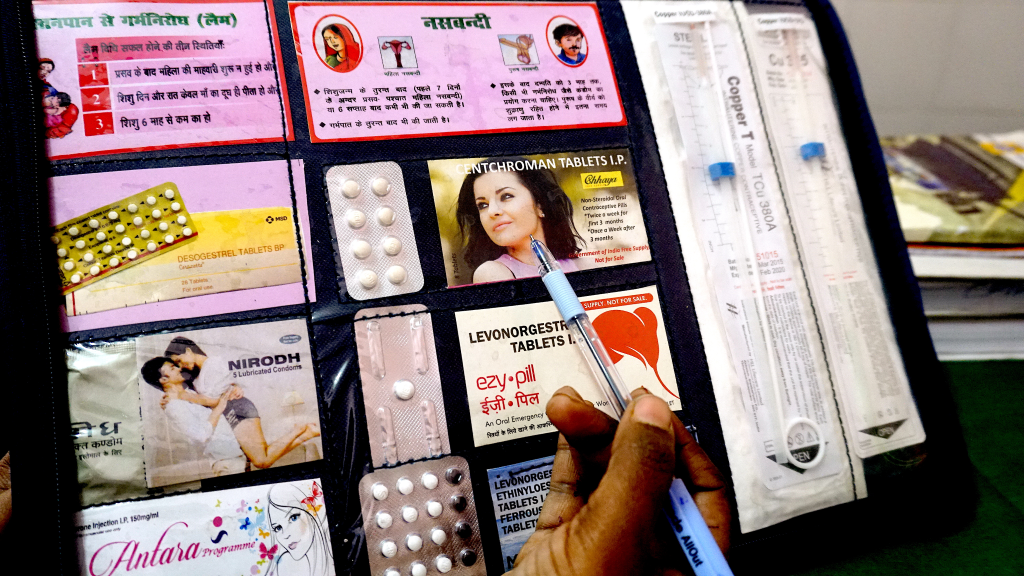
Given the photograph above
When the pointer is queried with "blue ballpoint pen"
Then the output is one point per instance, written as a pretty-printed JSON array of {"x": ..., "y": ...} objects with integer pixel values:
[{"x": 694, "y": 537}]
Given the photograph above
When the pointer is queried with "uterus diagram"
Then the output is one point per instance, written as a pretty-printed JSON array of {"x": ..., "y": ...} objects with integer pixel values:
[{"x": 396, "y": 46}]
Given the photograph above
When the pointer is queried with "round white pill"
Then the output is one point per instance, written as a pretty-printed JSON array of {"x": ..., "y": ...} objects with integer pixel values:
[
  {"x": 80, "y": 244},
  {"x": 434, "y": 508},
  {"x": 414, "y": 542},
  {"x": 100, "y": 236},
  {"x": 76, "y": 278},
  {"x": 438, "y": 536},
  {"x": 62, "y": 252},
  {"x": 405, "y": 486},
  {"x": 169, "y": 194},
  {"x": 112, "y": 215},
  {"x": 404, "y": 389},
  {"x": 388, "y": 548},
  {"x": 69, "y": 266},
  {"x": 417, "y": 569},
  {"x": 126, "y": 241},
  {"x": 391, "y": 245},
  {"x": 384, "y": 520},
  {"x": 169, "y": 239},
  {"x": 181, "y": 220},
  {"x": 361, "y": 249},
  {"x": 379, "y": 491},
  {"x": 356, "y": 219},
  {"x": 151, "y": 200},
  {"x": 151, "y": 247},
  {"x": 108, "y": 249},
  {"x": 157, "y": 213},
  {"x": 133, "y": 208},
  {"x": 368, "y": 278},
  {"x": 186, "y": 231},
  {"x": 392, "y": 572},
  {"x": 54, "y": 239},
  {"x": 94, "y": 270},
  {"x": 145, "y": 234},
  {"x": 350, "y": 189},
  {"x": 409, "y": 514},
  {"x": 133, "y": 254},
  {"x": 88, "y": 257},
  {"x": 175, "y": 206},
  {"x": 397, "y": 275},
  {"x": 94, "y": 223},
  {"x": 163, "y": 226},
  {"x": 73, "y": 231},
  {"x": 386, "y": 216},
  {"x": 119, "y": 228},
  {"x": 381, "y": 186},
  {"x": 428, "y": 480},
  {"x": 114, "y": 261},
  {"x": 443, "y": 564},
  {"x": 137, "y": 221}
]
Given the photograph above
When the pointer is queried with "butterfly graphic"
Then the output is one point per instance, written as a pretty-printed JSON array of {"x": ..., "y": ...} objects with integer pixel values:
[
  {"x": 261, "y": 562},
  {"x": 259, "y": 510},
  {"x": 241, "y": 507},
  {"x": 263, "y": 533},
  {"x": 218, "y": 504},
  {"x": 266, "y": 554},
  {"x": 245, "y": 524},
  {"x": 311, "y": 502}
]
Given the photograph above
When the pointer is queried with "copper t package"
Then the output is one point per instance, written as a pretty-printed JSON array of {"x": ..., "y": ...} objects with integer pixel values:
[
  {"x": 401, "y": 384},
  {"x": 420, "y": 518}
]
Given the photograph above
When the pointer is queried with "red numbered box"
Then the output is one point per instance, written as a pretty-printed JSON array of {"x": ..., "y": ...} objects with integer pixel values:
[
  {"x": 98, "y": 124},
  {"x": 95, "y": 99},
  {"x": 92, "y": 75}
]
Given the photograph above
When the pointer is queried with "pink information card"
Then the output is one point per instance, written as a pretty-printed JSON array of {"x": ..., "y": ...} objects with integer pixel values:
[
  {"x": 384, "y": 70},
  {"x": 128, "y": 76}
]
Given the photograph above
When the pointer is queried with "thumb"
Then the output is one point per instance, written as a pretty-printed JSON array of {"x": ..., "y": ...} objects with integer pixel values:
[{"x": 627, "y": 504}]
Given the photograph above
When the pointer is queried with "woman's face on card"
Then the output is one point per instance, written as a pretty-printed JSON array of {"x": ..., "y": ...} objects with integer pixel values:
[
  {"x": 186, "y": 359},
  {"x": 292, "y": 531},
  {"x": 334, "y": 41},
  {"x": 507, "y": 209}
]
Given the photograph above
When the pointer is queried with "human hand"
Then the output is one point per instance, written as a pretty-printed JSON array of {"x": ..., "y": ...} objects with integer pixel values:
[
  {"x": 164, "y": 400},
  {"x": 603, "y": 514},
  {"x": 234, "y": 392}
]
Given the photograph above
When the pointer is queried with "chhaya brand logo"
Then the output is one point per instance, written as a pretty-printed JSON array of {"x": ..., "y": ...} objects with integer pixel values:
[{"x": 601, "y": 180}]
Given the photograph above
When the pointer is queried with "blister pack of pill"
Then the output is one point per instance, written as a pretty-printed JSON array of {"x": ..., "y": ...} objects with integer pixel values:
[
  {"x": 420, "y": 519},
  {"x": 120, "y": 235},
  {"x": 402, "y": 395},
  {"x": 373, "y": 231}
]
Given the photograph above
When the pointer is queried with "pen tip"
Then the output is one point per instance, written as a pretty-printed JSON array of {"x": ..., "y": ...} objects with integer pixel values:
[{"x": 532, "y": 239}]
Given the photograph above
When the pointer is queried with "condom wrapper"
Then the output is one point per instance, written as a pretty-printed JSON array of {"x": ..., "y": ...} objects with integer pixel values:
[
  {"x": 420, "y": 518},
  {"x": 268, "y": 529},
  {"x": 405, "y": 415},
  {"x": 515, "y": 358},
  {"x": 591, "y": 199},
  {"x": 272, "y": 366},
  {"x": 518, "y": 492},
  {"x": 372, "y": 228}
]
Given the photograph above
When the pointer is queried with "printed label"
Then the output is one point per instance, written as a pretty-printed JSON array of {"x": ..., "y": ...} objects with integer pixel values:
[
  {"x": 583, "y": 205},
  {"x": 518, "y": 492},
  {"x": 271, "y": 529},
  {"x": 373, "y": 71},
  {"x": 513, "y": 367},
  {"x": 246, "y": 242},
  {"x": 227, "y": 400},
  {"x": 129, "y": 76}
]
